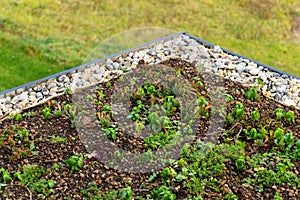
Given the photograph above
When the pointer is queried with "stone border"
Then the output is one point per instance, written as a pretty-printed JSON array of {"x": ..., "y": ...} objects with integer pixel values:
[{"x": 278, "y": 85}]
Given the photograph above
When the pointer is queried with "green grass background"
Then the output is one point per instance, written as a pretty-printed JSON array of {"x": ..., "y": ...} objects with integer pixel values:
[{"x": 43, "y": 37}]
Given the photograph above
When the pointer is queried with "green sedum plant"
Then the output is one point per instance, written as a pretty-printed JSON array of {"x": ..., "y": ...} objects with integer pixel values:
[
  {"x": 252, "y": 94},
  {"x": 74, "y": 162}
]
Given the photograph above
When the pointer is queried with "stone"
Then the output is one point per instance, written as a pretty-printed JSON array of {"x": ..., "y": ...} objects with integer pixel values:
[
  {"x": 254, "y": 71},
  {"x": 7, "y": 99},
  {"x": 51, "y": 85},
  {"x": 23, "y": 96},
  {"x": 109, "y": 61},
  {"x": 23, "y": 103},
  {"x": 39, "y": 95},
  {"x": 116, "y": 65},
  {"x": 2, "y": 100},
  {"x": 217, "y": 49},
  {"x": 45, "y": 92},
  {"x": 15, "y": 99},
  {"x": 289, "y": 102},
  {"x": 152, "y": 52},
  {"x": 32, "y": 99},
  {"x": 230, "y": 66},
  {"x": 281, "y": 89},
  {"x": 37, "y": 88}
]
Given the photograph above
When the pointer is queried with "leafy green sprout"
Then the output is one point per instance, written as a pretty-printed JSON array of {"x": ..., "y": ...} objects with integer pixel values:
[
  {"x": 53, "y": 102},
  {"x": 46, "y": 112},
  {"x": 108, "y": 84},
  {"x": 69, "y": 91},
  {"x": 118, "y": 155},
  {"x": 228, "y": 98},
  {"x": 126, "y": 194},
  {"x": 110, "y": 132},
  {"x": 255, "y": 115},
  {"x": 203, "y": 103},
  {"x": 18, "y": 117},
  {"x": 5, "y": 175},
  {"x": 74, "y": 162},
  {"x": 289, "y": 140},
  {"x": 298, "y": 144},
  {"x": 57, "y": 113},
  {"x": 164, "y": 193},
  {"x": 290, "y": 116},
  {"x": 57, "y": 139},
  {"x": 239, "y": 110},
  {"x": 279, "y": 113},
  {"x": 100, "y": 93},
  {"x": 277, "y": 196},
  {"x": 106, "y": 108},
  {"x": 240, "y": 164},
  {"x": 279, "y": 137},
  {"x": 252, "y": 94},
  {"x": 89, "y": 98}
]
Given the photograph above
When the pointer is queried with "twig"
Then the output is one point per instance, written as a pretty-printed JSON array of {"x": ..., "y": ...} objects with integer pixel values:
[
  {"x": 3, "y": 116},
  {"x": 233, "y": 126}
]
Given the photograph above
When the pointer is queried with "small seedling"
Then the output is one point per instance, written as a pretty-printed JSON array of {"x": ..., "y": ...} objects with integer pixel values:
[
  {"x": 74, "y": 162},
  {"x": 278, "y": 135},
  {"x": 46, "y": 113},
  {"x": 290, "y": 116},
  {"x": 200, "y": 84},
  {"x": 255, "y": 115},
  {"x": 126, "y": 194},
  {"x": 289, "y": 140},
  {"x": 240, "y": 164},
  {"x": 53, "y": 102},
  {"x": 228, "y": 98},
  {"x": 57, "y": 113},
  {"x": 110, "y": 132},
  {"x": 100, "y": 94},
  {"x": 56, "y": 139},
  {"x": 108, "y": 84},
  {"x": 252, "y": 94},
  {"x": 5, "y": 175},
  {"x": 69, "y": 91},
  {"x": 298, "y": 144},
  {"x": 18, "y": 117},
  {"x": 279, "y": 113},
  {"x": 239, "y": 110},
  {"x": 106, "y": 108}
]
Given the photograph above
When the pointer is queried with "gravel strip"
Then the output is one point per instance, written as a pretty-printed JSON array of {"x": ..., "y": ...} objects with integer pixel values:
[{"x": 282, "y": 88}]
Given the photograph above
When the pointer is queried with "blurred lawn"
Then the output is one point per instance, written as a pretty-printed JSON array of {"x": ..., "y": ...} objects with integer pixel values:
[{"x": 42, "y": 37}]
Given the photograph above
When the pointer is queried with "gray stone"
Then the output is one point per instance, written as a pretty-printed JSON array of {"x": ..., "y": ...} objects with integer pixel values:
[
  {"x": 109, "y": 61},
  {"x": 51, "y": 85},
  {"x": 37, "y": 88},
  {"x": 61, "y": 78},
  {"x": 7, "y": 99},
  {"x": 23, "y": 96},
  {"x": 98, "y": 77},
  {"x": 281, "y": 89},
  {"x": 152, "y": 52},
  {"x": 239, "y": 69},
  {"x": 254, "y": 71},
  {"x": 2, "y": 100},
  {"x": 39, "y": 95},
  {"x": 15, "y": 100},
  {"x": 217, "y": 49},
  {"x": 159, "y": 46},
  {"x": 116, "y": 65},
  {"x": 45, "y": 92}
]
